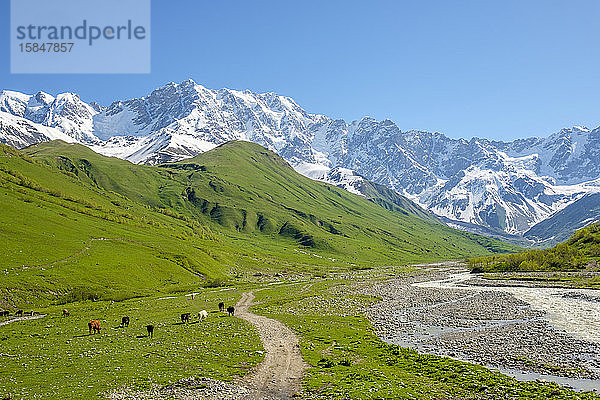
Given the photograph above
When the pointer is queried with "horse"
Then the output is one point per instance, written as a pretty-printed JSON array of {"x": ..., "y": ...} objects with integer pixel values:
[
  {"x": 150, "y": 329},
  {"x": 94, "y": 326},
  {"x": 124, "y": 322},
  {"x": 221, "y": 306},
  {"x": 185, "y": 317},
  {"x": 230, "y": 310},
  {"x": 202, "y": 315}
]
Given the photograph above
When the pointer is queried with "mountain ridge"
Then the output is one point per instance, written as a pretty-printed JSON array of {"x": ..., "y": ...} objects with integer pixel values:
[{"x": 507, "y": 186}]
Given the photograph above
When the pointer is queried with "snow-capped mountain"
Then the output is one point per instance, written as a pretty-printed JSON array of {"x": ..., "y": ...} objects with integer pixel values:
[
  {"x": 182, "y": 120},
  {"x": 504, "y": 186},
  {"x": 65, "y": 112}
]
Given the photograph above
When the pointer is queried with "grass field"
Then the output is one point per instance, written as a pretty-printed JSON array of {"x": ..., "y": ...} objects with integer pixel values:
[{"x": 55, "y": 358}]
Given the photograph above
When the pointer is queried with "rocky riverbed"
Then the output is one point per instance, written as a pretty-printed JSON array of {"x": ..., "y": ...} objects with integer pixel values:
[{"x": 491, "y": 328}]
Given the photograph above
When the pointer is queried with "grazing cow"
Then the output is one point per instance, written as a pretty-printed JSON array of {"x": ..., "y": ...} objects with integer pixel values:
[
  {"x": 19, "y": 313},
  {"x": 150, "y": 329},
  {"x": 230, "y": 310},
  {"x": 94, "y": 326},
  {"x": 202, "y": 315},
  {"x": 185, "y": 317},
  {"x": 124, "y": 322},
  {"x": 5, "y": 313},
  {"x": 66, "y": 313},
  {"x": 221, "y": 306}
]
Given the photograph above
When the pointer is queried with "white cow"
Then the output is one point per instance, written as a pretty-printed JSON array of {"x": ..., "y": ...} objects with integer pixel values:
[{"x": 203, "y": 315}]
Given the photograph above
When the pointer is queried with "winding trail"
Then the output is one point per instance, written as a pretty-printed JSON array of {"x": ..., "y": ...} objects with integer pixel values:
[
  {"x": 24, "y": 318},
  {"x": 280, "y": 374}
]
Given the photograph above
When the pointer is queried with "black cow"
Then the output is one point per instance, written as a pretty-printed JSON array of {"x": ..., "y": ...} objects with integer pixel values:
[
  {"x": 230, "y": 310},
  {"x": 185, "y": 317},
  {"x": 221, "y": 306},
  {"x": 19, "y": 313},
  {"x": 125, "y": 322},
  {"x": 150, "y": 329},
  {"x": 5, "y": 313}
]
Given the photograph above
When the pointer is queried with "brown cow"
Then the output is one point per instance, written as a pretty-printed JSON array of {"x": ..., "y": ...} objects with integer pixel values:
[
  {"x": 94, "y": 326},
  {"x": 66, "y": 313}
]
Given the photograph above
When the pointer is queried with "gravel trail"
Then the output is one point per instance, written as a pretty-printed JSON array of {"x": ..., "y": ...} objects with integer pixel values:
[
  {"x": 280, "y": 373},
  {"x": 24, "y": 318}
]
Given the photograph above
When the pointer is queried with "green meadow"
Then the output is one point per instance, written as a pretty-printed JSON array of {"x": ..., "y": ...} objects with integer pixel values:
[
  {"x": 54, "y": 357},
  {"x": 79, "y": 231},
  {"x": 76, "y": 225}
]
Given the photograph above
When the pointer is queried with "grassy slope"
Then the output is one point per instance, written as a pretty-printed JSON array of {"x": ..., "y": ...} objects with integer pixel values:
[
  {"x": 227, "y": 213},
  {"x": 580, "y": 251},
  {"x": 246, "y": 188}
]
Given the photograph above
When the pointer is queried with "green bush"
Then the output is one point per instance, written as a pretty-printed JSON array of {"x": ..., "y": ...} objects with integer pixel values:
[{"x": 572, "y": 255}]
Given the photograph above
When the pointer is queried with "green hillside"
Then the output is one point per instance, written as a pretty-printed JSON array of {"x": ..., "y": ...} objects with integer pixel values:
[
  {"x": 581, "y": 251},
  {"x": 77, "y": 225}
]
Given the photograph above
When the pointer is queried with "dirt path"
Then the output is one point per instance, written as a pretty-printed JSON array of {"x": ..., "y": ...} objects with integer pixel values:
[
  {"x": 280, "y": 374},
  {"x": 10, "y": 321}
]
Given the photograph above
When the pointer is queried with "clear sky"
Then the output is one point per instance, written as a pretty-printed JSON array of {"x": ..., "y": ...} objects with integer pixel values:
[{"x": 496, "y": 69}]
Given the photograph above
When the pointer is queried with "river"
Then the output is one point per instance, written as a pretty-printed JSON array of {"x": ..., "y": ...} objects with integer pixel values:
[{"x": 574, "y": 311}]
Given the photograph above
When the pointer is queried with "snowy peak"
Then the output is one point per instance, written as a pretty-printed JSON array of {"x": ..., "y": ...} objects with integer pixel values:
[
  {"x": 66, "y": 112},
  {"x": 19, "y": 132},
  {"x": 505, "y": 186},
  {"x": 214, "y": 116}
]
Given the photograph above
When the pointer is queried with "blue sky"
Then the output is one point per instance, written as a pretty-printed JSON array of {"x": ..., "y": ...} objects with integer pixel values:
[{"x": 496, "y": 69}]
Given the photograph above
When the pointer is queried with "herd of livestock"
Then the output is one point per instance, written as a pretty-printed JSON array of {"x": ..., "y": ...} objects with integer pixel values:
[
  {"x": 19, "y": 313},
  {"x": 94, "y": 325}
]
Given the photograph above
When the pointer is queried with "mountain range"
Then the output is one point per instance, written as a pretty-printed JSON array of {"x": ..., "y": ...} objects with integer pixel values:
[{"x": 534, "y": 188}]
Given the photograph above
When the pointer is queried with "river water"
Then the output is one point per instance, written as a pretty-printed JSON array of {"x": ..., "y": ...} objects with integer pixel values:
[{"x": 575, "y": 311}]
